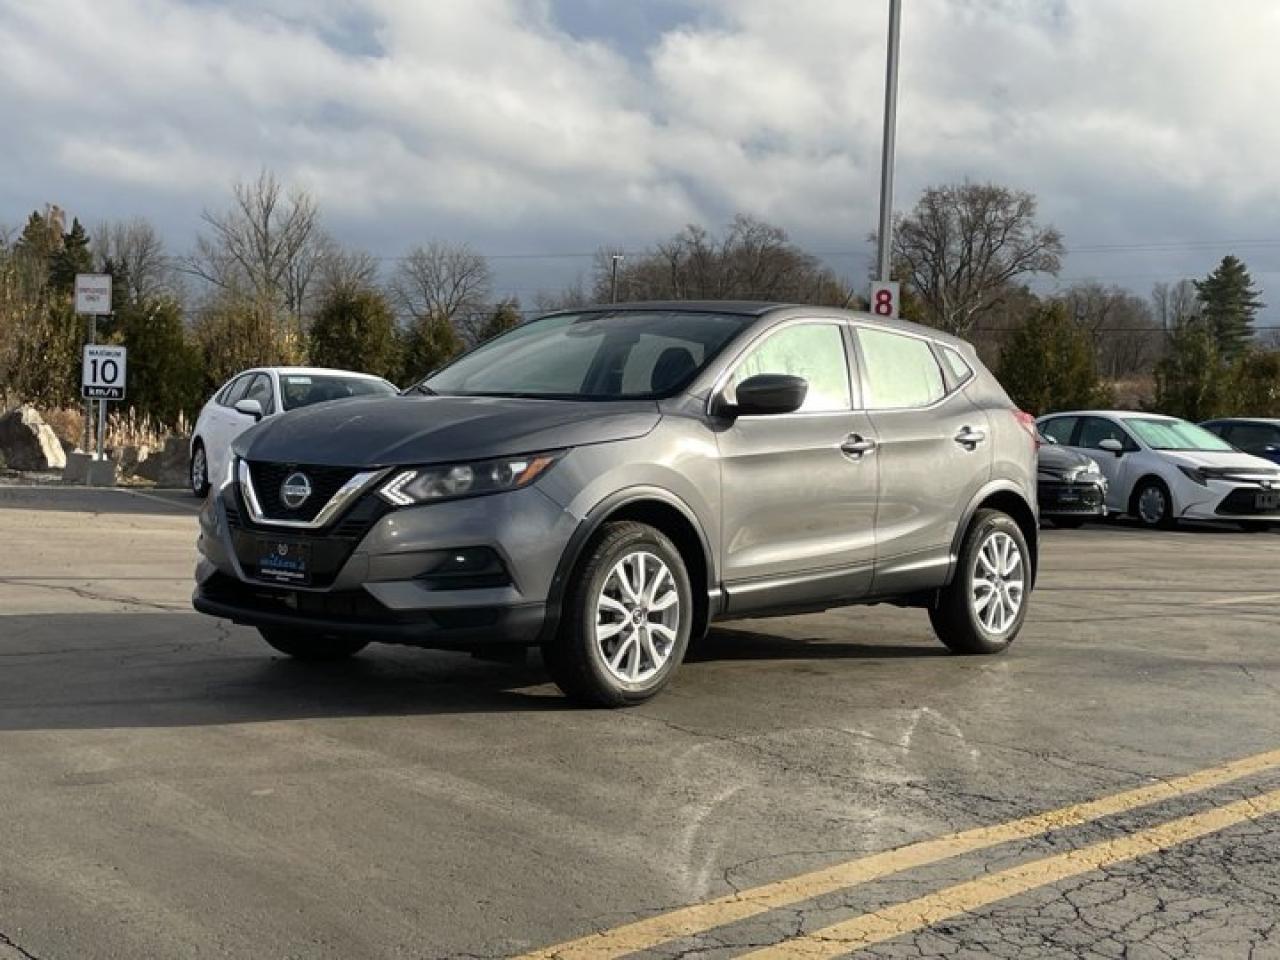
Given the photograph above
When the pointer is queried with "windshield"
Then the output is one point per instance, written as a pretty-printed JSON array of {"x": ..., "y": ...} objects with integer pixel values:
[
  {"x": 1176, "y": 435},
  {"x": 598, "y": 356},
  {"x": 304, "y": 389}
]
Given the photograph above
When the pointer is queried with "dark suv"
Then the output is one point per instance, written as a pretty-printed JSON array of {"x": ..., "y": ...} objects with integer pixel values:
[{"x": 607, "y": 481}]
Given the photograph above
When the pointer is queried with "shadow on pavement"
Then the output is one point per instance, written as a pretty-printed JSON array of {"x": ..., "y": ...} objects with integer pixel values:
[{"x": 99, "y": 500}]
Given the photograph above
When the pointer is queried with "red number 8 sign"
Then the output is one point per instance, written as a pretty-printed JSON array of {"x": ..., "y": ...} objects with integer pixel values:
[{"x": 884, "y": 298}]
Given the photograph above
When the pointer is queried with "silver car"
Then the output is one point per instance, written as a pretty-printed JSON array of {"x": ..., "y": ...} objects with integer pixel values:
[{"x": 605, "y": 482}]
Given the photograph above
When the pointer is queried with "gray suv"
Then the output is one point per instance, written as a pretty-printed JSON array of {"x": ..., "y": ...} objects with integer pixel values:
[{"x": 605, "y": 482}]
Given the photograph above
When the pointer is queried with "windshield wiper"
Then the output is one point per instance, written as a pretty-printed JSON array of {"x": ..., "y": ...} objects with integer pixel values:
[{"x": 423, "y": 389}]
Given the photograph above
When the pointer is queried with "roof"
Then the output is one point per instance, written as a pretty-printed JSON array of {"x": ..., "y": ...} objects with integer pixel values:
[
  {"x": 1146, "y": 414},
  {"x": 307, "y": 371},
  {"x": 760, "y": 308},
  {"x": 1272, "y": 421}
]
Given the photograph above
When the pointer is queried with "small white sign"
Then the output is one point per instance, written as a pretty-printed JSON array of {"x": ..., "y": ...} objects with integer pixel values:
[
  {"x": 93, "y": 294},
  {"x": 103, "y": 373},
  {"x": 884, "y": 298}
]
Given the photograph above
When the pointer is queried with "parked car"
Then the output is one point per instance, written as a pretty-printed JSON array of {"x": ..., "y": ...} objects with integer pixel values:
[
  {"x": 1161, "y": 469},
  {"x": 605, "y": 482},
  {"x": 1258, "y": 436},
  {"x": 258, "y": 394},
  {"x": 1071, "y": 487}
]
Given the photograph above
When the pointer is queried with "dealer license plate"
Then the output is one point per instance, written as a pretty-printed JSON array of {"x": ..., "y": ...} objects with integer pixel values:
[
  {"x": 284, "y": 561},
  {"x": 1268, "y": 501}
]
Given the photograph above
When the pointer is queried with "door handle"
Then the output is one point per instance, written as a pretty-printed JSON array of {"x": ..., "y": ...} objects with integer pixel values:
[
  {"x": 855, "y": 446},
  {"x": 969, "y": 437}
]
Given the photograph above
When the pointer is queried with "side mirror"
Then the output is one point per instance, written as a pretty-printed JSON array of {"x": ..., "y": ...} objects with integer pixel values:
[
  {"x": 1111, "y": 444},
  {"x": 250, "y": 408},
  {"x": 768, "y": 393}
]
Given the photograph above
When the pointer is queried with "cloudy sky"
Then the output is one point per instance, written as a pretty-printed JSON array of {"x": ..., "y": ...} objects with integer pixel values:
[{"x": 1149, "y": 129}]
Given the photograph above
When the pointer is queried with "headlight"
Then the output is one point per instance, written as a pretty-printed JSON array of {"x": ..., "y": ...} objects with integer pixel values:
[
  {"x": 449, "y": 481},
  {"x": 1194, "y": 474},
  {"x": 1092, "y": 466}
]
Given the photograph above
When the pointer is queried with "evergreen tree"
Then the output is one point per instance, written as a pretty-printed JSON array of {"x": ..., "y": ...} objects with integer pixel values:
[
  {"x": 505, "y": 316},
  {"x": 1192, "y": 381},
  {"x": 1230, "y": 302},
  {"x": 429, "y": 344},
  {"x": 164, "y": 366},
  {"x": 1048, "y": 364},
  {"x": 355, "y": 330},
  {"x": 72, "y": 257}
]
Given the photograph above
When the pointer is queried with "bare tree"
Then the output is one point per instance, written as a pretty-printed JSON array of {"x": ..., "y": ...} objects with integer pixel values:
[
  {"x": 267, "y": 246},
  {"x": 342, "y": 271},
  {"x": 1175, "y": 304},
  {"x": 134, "y": 248},
  {"x": 444, "y": 282},
  {"x": 1120, "y": 326},
  {"x": 963, "y": 245}
]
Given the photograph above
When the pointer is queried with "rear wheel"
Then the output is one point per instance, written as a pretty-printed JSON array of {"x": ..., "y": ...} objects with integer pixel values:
[
  {"x": 1152, "y": 504},
  {"x": 302, "y": 645},
  {"x": 626, "y": 620},
  {"x": 199, "y": 470},
  {"x": 983, "y": 608}
]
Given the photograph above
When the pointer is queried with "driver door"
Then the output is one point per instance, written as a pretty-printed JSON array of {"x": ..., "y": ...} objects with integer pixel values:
[
  {"x": 1115, "y": 467},
  {"x": 798, "y": 497}
]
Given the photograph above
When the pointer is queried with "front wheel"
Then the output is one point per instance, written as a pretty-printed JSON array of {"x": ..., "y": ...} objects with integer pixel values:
[
  {"x": 983, "y": 608},
  {"x": 199, "y": 470},
  {"x": 302, "y": 645},
  {"x": 625, "y": 625},
  {"x": 1152, "y": 504}
]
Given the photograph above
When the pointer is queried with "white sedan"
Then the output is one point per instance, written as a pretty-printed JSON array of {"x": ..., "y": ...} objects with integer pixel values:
[
  {"x": 1161, "y": 469},
  {"x": 265, "y": 392}
]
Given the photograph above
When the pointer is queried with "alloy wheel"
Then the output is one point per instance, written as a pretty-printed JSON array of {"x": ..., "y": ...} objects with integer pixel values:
[
  {"x": 637, "y": 617},
  {"x": 998, "y": 582},
  {"x": 199, "y": 466}
]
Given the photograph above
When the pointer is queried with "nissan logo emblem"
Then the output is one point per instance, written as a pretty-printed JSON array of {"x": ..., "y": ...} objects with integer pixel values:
[{"x": 295, "y": 490}]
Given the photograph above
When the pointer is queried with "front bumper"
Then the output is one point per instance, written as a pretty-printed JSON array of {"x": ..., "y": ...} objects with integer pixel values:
[
  {"x": 1077, "y": 498},
  {"x": 1231, "y": 501},
  {"x": 376, "y": 571}
]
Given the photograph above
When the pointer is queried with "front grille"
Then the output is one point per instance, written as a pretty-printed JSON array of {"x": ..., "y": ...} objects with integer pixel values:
[
  {"x": 1243, "y": 501},
  {"x": 268, "y": 478},
  {"x": 1061, "y": 497}
]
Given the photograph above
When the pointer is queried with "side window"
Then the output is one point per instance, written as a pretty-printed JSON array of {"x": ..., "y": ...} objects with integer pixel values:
[
  {"x": 1253, "y": 437},
  {"x": 959, "y": 367},
  {"x": 1094, "y": 430},
  {"x": 233, "y": 393},
  {"x": 814, "y": 351},
  {"x": 260, "y": 390},
  {"x": 901, "y": 370},
  {"x": 1060, "y": 429}
]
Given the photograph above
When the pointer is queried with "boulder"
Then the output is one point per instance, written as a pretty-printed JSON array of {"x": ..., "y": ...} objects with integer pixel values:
[
  {"x": 169, "y": 466},
  {"x": 28, "y": 443}
]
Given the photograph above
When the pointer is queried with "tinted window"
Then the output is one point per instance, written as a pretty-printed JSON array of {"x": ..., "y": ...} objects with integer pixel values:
[
  {"x": 959, "y": 367},
  {"x": 1059, "y": 429},
  {"x": 1095, "y": 429},
  {"x": 304, "y": 389},
  {"x": 901, "y": 371},
  {"x": 260, "y": 390},
  {"x": 814, "y": 351},
  {"x": 609, "y": 355},
  {"x": 1253, "y": 437}
]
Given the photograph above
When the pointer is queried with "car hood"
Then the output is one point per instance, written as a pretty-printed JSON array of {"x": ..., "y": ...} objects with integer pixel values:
[
  {"x": 1232, "y": 460},
  {"x": 403, "y": 430},
  {"x": 1056, "y": 459}
]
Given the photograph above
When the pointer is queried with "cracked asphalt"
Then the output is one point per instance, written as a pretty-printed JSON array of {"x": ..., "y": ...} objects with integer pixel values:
[{"x": 171, "y": 788}]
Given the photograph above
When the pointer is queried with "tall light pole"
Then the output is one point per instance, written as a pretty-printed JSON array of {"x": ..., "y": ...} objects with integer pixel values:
[
  {"x": 885, "y": 236},
  {"x": 613, "y": 280}
]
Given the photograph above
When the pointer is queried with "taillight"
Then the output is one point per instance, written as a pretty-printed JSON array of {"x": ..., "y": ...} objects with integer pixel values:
[{"x": 1028, "y": 423}]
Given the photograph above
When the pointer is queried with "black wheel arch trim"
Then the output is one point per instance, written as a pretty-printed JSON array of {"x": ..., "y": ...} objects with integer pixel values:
[{"x": 596, "y": 517}]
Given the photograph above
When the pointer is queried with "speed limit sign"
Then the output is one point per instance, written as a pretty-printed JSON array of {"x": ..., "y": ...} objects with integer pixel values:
[
  {"x": 102, "y": 376},
  {"x": 884, "y": 298}
]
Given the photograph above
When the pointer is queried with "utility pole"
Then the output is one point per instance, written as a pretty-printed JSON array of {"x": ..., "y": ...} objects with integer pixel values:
[
  {"x": 613, "y": 279},
  {"x": 885, "y": 235}
]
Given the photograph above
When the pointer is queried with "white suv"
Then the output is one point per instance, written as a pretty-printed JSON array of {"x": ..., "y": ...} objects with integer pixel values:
[{"x": 1161, "y": 469}]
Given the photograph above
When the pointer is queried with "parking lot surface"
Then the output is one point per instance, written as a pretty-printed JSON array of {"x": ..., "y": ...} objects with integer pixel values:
[{"x": 810, "y": 786}]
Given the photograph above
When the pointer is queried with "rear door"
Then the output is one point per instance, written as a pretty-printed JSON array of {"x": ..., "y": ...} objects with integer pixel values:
[
  {"x": 934, "y": 456},
  {"x": 798, "y": 490}
]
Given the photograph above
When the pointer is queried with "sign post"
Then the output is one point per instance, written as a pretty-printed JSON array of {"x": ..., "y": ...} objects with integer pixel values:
[
  {"x": 103, "y": 376},
  {"x": 93, "y": 300}
]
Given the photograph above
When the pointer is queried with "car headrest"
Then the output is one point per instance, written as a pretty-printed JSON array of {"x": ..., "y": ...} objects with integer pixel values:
[{"x": 674, "y": 365}]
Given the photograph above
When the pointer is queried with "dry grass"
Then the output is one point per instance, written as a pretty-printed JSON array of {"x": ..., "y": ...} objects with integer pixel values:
[{"x": 127, "y": 429}]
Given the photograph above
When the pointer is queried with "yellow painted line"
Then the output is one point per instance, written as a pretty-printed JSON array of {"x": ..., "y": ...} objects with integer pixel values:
[
  {"x": 700, "y": 917},
  {"x": 1255, "y": 598},
  {"x": 903, "y": 918}
]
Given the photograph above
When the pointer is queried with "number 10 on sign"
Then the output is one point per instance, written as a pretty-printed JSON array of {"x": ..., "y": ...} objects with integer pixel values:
[{"x": 884, "y": 298}]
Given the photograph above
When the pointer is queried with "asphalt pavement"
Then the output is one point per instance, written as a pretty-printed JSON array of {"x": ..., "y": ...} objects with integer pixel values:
[{"x": 810, "y": 786}]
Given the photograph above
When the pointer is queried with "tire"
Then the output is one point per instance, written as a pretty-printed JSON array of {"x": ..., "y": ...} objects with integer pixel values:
[
  {"x": 308, "y": 646},
  {"x": 1068, "y": 523},
  {"x": 961, "y": 620},
  {"x": 199, "y": 473},
  {"x": 597, "y": 665},
  {"x": 1142, "y": 505}
]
